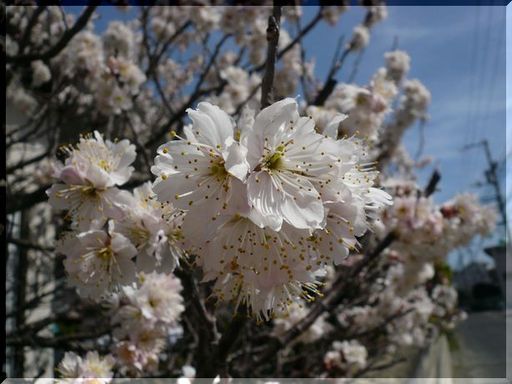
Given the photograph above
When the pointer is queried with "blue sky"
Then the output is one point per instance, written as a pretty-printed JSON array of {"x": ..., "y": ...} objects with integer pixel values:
[{"x": 458, "y": 53}]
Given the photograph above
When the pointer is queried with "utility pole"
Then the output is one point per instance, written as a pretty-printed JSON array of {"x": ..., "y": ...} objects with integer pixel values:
[{"x": 492, "y": 179}]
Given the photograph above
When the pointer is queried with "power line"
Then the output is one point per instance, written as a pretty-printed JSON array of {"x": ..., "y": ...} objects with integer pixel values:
[
  {"x": 491, "y": 177},
  {"x": 494, "y": 72},
  {"x": 478, "y": 121}
]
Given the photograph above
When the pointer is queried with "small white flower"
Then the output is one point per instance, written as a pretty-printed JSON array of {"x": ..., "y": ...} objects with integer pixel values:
[
  {"x": 158, "y": 299},
  {"x": 95, "y": 366},
  {"x": 88, "y": 179},
  {"x": 360, "y": 38},
  {"x": 40, "y": 73},
  {"x": 285, "y": 155},
  {"x": 118, "y": 40},
  {"x": 188, "y": 371},
  {"x": 98, "y": 262},
  {"x": 397, "y": 64},
  {"x": 199, "y": 168},
  {"x": 92, "y": 366},
  {"x": 331, "y": 13},
  {"x": 297, "y": 311},
  {"x": 353, "y": 352},
  {"x": 154, "y": 229},
  {"x": 376, "y": 13},
  {"x": 70, "y": 365},
  {"x": 147, "y": 316}
]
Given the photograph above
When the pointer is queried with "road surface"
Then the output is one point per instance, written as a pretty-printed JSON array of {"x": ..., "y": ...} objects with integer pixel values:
[{"x": 482, "y": 340}]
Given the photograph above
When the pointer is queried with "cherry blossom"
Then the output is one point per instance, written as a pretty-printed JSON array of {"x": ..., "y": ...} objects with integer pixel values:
[
  {"x": 90, "y": 369},
  {"x": 98, "y": 262},
  {"x": 154, "y": 229},
  {"x": 88, "y": 180}
]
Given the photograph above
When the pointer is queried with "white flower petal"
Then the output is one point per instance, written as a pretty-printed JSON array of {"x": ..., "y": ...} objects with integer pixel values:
[{"x": 236, "y": 161}]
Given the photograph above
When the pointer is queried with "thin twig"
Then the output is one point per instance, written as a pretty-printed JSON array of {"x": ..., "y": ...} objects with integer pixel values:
[
  {"x": 331, "y": 82},
  {"x": 24, "y": 163},
  {"x": 272, "y": 40},
  {"x": 26, "y": 244},
  {"x": 355, "y": 69},
  {"x": 56, "y": 341},
  {"x": 432, "y": 183},
  {"x": 155, "y": 59},
  {"x": 303, "y": 79},
  {"x": 20, "y": 202},
  {"x": 421, "y": 143}
]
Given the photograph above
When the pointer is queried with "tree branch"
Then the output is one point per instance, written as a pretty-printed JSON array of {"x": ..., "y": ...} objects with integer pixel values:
[
  {"x": 273, "y": 40},
  {"x": 297, "y": 39},
  {"x": 331, "y": 82},
  {"x": 61, "y": 44},
  {"x": 206, "y": 353},
  {"x": 28, "y": 245},
  {"x": 20, "y": 202}
]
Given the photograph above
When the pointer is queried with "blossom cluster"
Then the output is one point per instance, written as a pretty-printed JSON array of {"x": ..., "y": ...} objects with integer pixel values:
[
  {"x": 361, "y": 33},
  {"x": 90, "y": 369},
  {"x": 412, "y": 107},
  {"x": 277, "y": 200},
  {"x": 407, "y": 307},
  {"x": 345, "y": 357},
  {"x": 428, "y": 231},
  {"x": 412, "y": 298},
  {"x": 110, "y": 241},
  {"x": 366, "y": 107},
  {"x": 113, "y": 233},
  {"x": 413, "y": 293},
  {"x": 145, "y": 315},
  {"x": 104, "y": 68}
]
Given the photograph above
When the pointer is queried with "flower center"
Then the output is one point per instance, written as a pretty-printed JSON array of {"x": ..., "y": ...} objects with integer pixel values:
[
  {"x": 104, "y": 165},
  {"x": 139, "y": 235},
  {"x": 217, "y": 170},
  {"x": 274, "y": 160},
  {"x": 153, "y": 302},
  {"x": 361, "y": 99},
  {"x": 105, "y": 254},
  {"x": 89, "y": 191}
]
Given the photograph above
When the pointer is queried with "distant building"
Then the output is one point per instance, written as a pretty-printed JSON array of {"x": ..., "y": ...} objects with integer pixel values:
[
  {"x": 472, "y": 274},
  {"x": 503, "y": 262}
]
